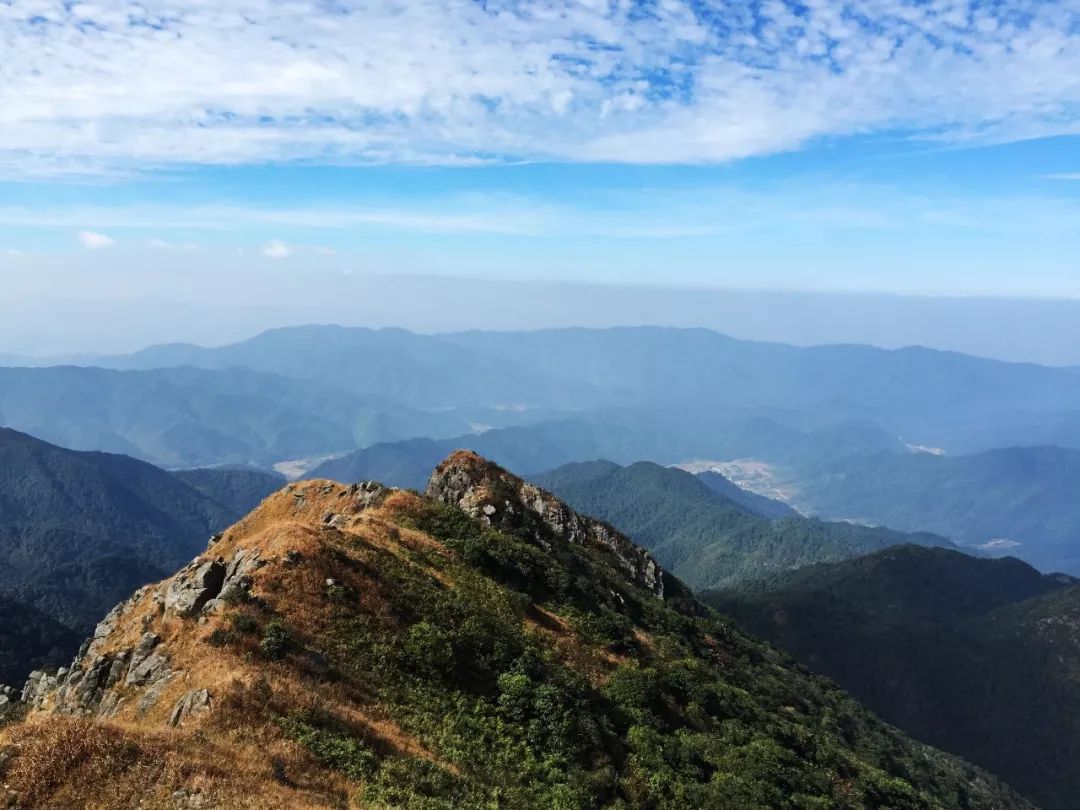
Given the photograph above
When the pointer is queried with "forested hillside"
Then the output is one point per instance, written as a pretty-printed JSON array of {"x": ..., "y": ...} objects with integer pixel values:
[
  {"x": 706, "y": 539},
  {"x": 978, "y": 657}
]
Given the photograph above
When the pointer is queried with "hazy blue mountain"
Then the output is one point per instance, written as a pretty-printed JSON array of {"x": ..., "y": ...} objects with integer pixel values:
[
  {"x": 979, "y": 657},
  {"x": 928, "y": 397},
  {"x": 1025, "y": 498},
  {"x": 190, "y": 417},
  {"x": 706, "y": 539},
  {"x": 422, "y": 371},
  {"x": 622, "y": 435}
]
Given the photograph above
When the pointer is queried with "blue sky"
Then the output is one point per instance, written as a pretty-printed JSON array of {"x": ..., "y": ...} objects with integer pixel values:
[{"x": 913, "y": 147}]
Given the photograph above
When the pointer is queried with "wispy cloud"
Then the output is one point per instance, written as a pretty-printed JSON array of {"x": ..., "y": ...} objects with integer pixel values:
[
  {"x": 92, "y": 240},
  {"x": 1063, "y": 176},
  {"x": 647, "y": 213},
  {"x": 276, "y": 250},
  {"x": 118, "y": 85}
]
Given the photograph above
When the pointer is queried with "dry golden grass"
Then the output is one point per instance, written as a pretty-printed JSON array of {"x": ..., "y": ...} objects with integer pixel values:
[
  {"x": 76, "y": 763},
  {"x": 236, "y": 756}
]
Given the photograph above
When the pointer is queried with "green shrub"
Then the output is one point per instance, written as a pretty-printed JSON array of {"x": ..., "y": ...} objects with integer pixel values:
[
  {"x": 277, "y": 640},
  {"x": 244, "y": 623},
  {"x": 332, "y": 744},
  {"x": 429, "y": 650}
]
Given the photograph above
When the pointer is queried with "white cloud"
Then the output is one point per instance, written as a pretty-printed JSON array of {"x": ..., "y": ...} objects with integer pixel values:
[
  {"x": 1063, "y": 176},
  {"x": 124, "y": 84},
  {"x": 276, "y": 250},
  {"x": 92, "y": 240}
]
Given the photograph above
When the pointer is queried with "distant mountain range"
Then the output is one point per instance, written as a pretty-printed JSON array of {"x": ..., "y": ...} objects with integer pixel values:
[
  {"x": 641, "y": 376},
  {"x": 352, "y": 403},
  {"x": 706, "y": 538},
  {"x": 978, "y": 657},
  {"x": 191, "y": 417}
]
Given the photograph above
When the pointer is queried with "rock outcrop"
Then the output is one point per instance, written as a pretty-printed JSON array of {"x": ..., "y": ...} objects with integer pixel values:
[
  {"x": 118, "y": 668},
  {"x": 489, "y": 493}
]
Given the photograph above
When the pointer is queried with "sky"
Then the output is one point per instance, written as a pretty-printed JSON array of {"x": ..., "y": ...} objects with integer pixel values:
[{"x": 256, "y": 154}]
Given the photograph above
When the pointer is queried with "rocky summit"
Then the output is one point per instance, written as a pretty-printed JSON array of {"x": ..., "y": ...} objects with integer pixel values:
[{"x": 482, "y": 645}]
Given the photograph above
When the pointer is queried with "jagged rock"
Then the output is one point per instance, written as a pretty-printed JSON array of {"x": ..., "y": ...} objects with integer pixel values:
[
  {"x": 146, "y": 666},
  {"x": 237, "y": 576},
  {"x": 80, "y": 691},
  {"x": 194, "y": 586},
  {"x": 153, "y": 693},
  {"x": 9, "y": 702},
  {"x": 192, "y": 704},
  {"x": 491, "y": 494}
]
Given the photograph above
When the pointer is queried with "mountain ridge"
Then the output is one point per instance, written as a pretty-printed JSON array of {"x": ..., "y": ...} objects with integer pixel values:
[{"x": 359, "y": 642}]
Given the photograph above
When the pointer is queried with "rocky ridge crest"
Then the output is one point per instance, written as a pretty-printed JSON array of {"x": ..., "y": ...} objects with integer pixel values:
[{"x": 500, "y": 499}]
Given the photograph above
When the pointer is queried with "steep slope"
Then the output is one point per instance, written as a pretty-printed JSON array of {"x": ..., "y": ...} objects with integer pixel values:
[
  {"x": 1022, "y": 500},
  {"x": 481, "y": 646},
  {"x": 979, "y": 657},
  {"x": 79, "y": 531},
  {"x": 186, "y": 417},
  {"x": 710, "y": 541}
]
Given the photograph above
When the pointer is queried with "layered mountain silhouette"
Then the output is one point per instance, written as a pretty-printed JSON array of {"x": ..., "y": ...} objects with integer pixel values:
[
  {"x": 839, "y": 421},
  {"x": 317, "y": 390},
  {"x": 979, "y": 657},
  {"x": 480, "y": 645},
  {"x": 186, "y": 417}
]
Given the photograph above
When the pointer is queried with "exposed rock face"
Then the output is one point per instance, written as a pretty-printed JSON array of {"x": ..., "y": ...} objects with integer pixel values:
[
  {"x": 108, "y": 674},
  {"x": 94, "y": 683},
  {"x": 188, "y": 594},
  {"x": 191, "y": 704},
  {"x": 491, "y": 494},
  {"x": 87, "y": 687}
]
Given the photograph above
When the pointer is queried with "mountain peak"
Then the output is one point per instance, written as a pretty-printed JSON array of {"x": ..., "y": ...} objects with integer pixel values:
[{"x": 487, "y": 492}]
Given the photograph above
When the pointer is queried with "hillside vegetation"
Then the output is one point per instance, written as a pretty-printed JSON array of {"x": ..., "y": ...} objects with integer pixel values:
[
  {"x": 482, "y": 646},
  {"x": 706, "y": 539},
  {"x": 979, "y": 657}
]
